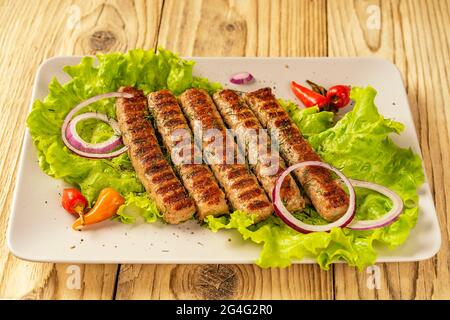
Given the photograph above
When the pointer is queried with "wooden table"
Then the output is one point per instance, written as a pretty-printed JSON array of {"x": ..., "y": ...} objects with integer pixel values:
[{"x": 412, "y": 34}]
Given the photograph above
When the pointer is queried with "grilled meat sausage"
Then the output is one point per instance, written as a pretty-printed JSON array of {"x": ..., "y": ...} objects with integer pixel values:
[
  {"x": 240, "y": 185},
  {"x": 327, "y": 196},
  {"x": 238, "y": 116},
  {"x": 197, "y": 177},
  {"x": 148, "y": 160}
]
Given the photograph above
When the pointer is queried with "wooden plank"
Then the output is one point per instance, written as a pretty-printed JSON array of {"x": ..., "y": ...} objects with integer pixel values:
[
  {"x": 31, "y": 32},
  {"x": 413, "y": 35},
  {"x": 221, "y": 282},
  {"x": 235, "y": 28},
  {"x": 245, "y": 28}
]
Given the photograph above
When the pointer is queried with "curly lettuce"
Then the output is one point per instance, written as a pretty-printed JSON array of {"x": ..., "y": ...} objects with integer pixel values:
[
  {"x": 137, "y": 206},
  {"x": 145, "y": 70},
  {"x": 360, "y": 146}
]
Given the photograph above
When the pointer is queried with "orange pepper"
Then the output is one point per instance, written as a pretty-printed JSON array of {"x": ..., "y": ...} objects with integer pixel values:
[{"x": 108, "y": 202}]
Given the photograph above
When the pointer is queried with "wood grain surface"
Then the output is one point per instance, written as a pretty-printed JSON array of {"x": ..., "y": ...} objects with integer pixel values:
[{"x": 412, "y": 34}]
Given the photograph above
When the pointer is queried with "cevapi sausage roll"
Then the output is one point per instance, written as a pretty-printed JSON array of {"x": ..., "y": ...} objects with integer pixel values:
[
  {"x": 197, "y": 177},
  {"x": 240, "y": 185},
  {"x": 238, "y": 116},
  {"x": 326, "y": 194},
  {"x": 146, "y": 156}
]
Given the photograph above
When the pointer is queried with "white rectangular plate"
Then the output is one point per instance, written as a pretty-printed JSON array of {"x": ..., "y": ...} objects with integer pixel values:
[{"x": 39, "y": 229}]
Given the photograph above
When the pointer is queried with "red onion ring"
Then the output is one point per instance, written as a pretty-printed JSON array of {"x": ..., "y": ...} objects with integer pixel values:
[
  {"x": 386, "y": 219},
  {"x": 300, "y": 226},
  {"x": 241, "y": 78},
  {"x": 80, "y": 106},
  {"x": 103, "y": 147}
]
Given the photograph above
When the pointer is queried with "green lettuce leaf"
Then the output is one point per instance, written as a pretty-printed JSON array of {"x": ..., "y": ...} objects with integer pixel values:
[
  {"x": 136, "y": 206},
  {"x": 146, "y": 70},
  {"x": 360, "y": 146},
  {"x": 310, "y": 120}
]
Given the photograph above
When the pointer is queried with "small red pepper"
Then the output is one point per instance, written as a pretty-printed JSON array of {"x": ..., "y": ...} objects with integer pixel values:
[
  {"x": 339, "y": 96},
  {"x": 74, "y": 202},
  {"x": 308, "y": 97}
]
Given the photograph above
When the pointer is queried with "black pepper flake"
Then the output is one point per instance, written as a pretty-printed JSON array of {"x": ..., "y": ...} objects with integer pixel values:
[
  {"x": 73, "y": 247},
  {"x": 229, "y": 239},
  {"x": 200, "y": 244}
]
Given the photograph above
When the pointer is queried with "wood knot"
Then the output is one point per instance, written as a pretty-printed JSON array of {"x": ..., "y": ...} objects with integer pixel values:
[
  {"x": 213, "y": 282},
  {"x": 230, "y": 27},
  {"x": 102, "y": 40}
]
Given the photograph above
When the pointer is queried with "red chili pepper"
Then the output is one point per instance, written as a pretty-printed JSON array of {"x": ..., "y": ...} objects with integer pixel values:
[
  {"x": 308, "y": 97},
  {"x": 74, "y": 202},
  {"x": 339, "y": 96}
]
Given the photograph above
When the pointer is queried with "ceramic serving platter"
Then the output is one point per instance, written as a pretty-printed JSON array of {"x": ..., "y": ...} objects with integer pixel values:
[{"x": 40, "y": 230}]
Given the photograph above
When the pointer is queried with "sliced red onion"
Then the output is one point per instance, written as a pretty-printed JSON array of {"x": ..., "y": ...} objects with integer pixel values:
[
  {"x": 115, "y": 127},
  {"x": 100, "y": 155},
  {"x": 388, "y": 218},
  {"x": 241, "y": 78},
  {"x": 104, "y": 147},
  {"x": 300, "y": 226}
]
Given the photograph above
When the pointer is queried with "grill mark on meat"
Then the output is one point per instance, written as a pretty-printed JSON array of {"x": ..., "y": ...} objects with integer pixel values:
[
  {"x": 201, "y": 183},
  {"x": 183, "y": 203},
  {"x": 154, "y": 168},
  {"x": 136, "y": 129},
  {"x": 134, "y": 119},
  {"x": 174, "y": 122},
  {"x": 167, "y": 113},
  {"x": 166, "y": 188},
  {"x": 147, "y": 158},
  {"x": 141, "y": 150},
  {"x": 197, "y": 178},
  {"x": 235, "y": 172},
  {"x": 161, "y": 177},
  {"x": 198, "y": 106},
  {"x": 247, "y": 195},
  {"x": 193, "y": 170},
  {"x": 258, "y": 205},
  {"x": 328, "y": 197},
  {"x": 139, "y": 141},
  {"x": 250, "y": 124},
  {"x": 211, "y": 195},
  {"x": 150, "y": 157},
  {"x": 238, "y": 116},
  {"x": 176, "y": 196},
  {"x": 246, "y": 182}
]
